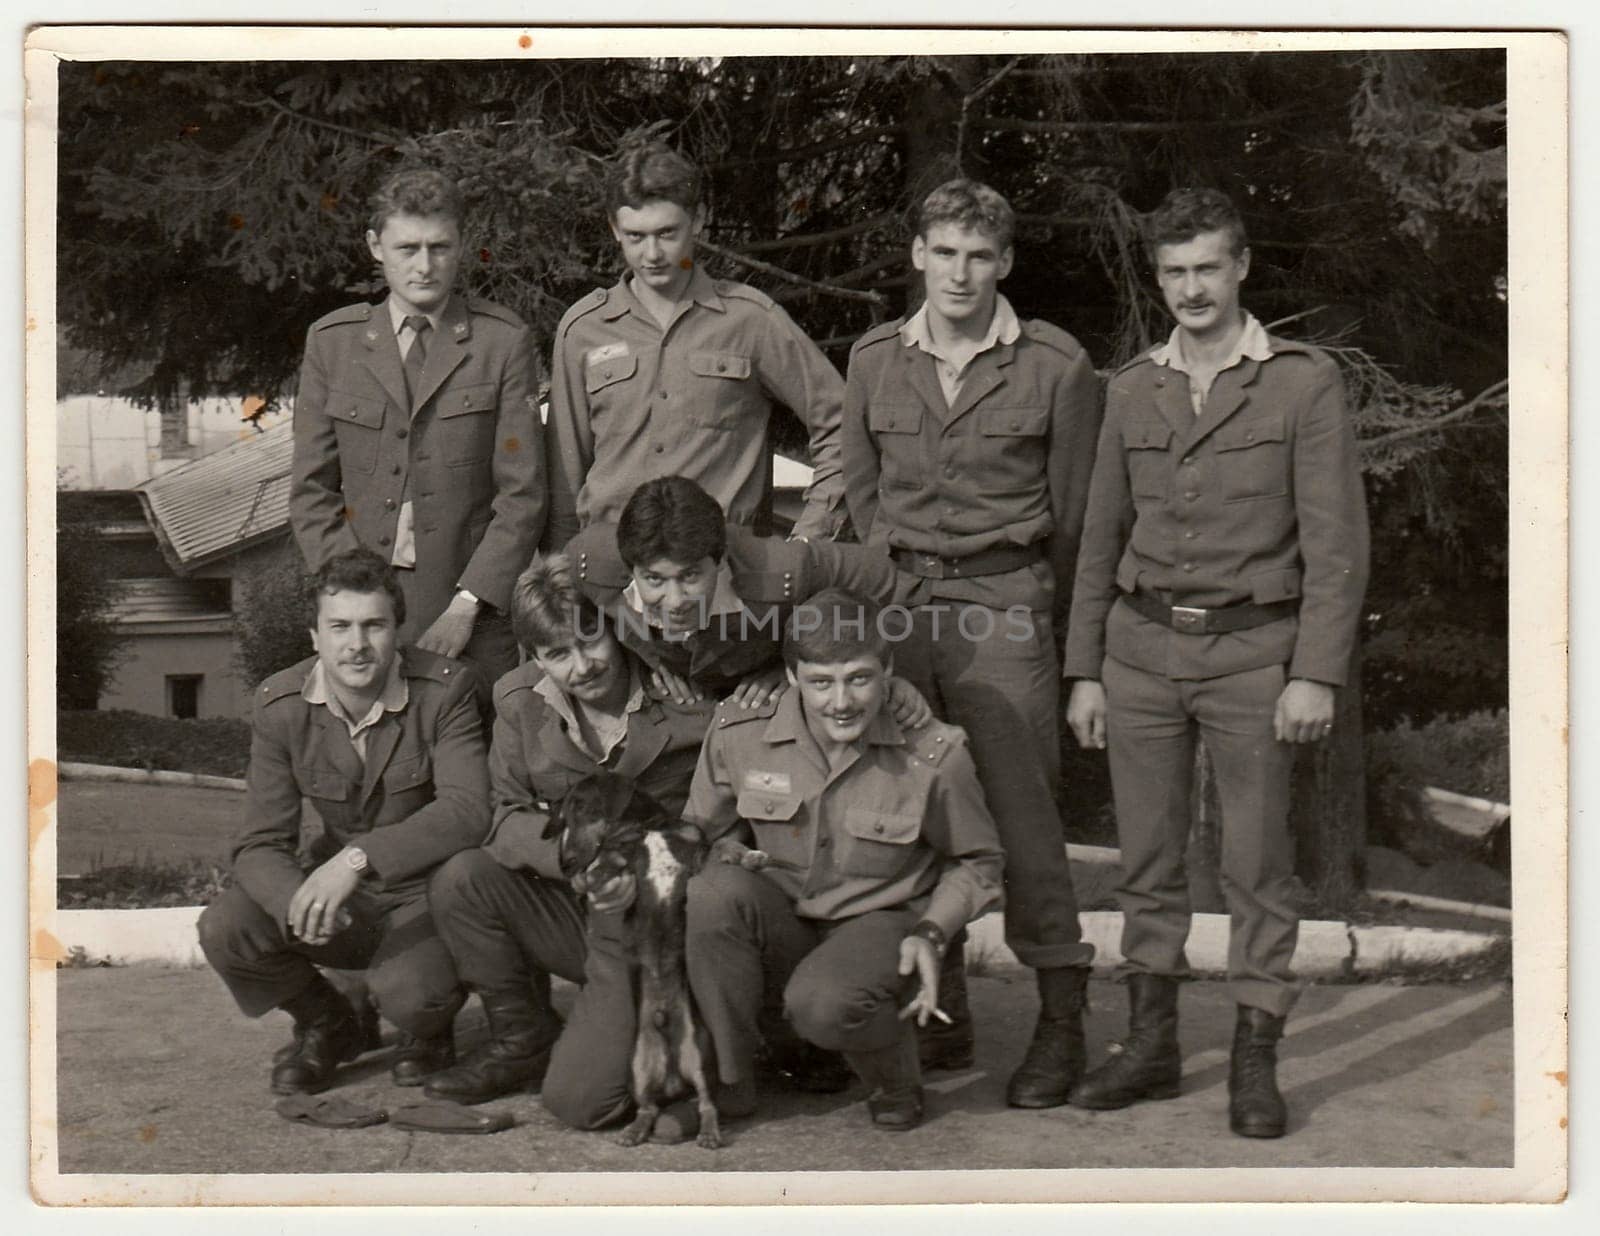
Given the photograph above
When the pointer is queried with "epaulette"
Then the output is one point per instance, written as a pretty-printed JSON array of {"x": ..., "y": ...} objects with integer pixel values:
[
  {"x": 730, "y": 713},
  {"x": 932, "y": 741},
  {"x": 595, "y": 559},
  {"x": 879, "y": 333},
  {"x": 524, "y": 678},
  {"x": 1280, "y": 344},
  {"x": 1052, "y": 336},
  {"x": 489, "y": 309},
  {"x": 289, "y": 681},
  {"x": 763, "y": 568},
  {"x": 582, "y": 306},
  {"x": 359, "y": 312},
  {"x": 415, "y": 663},
  {"x": 1146, "y": 355},
  {"x": 743, "y": 291}
]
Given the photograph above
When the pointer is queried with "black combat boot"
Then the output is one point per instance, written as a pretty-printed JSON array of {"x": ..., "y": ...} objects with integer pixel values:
[
  {"x": 1054, "y": 1061},
  {"x": 1255, "y": 1106},
  {"x": 894, "y": 1083},
  {"x": 415, "y": 1060},
  {"x": 952, "y": 1046},
  {"x": 1149, "y": 1065},
  {"x": 327, "y": 1033},
  {"x": 522, "y": 1030}
]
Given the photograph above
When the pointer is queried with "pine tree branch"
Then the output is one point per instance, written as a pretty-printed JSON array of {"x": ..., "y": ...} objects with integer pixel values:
[
  {"x": 797, "y": 153},
  {"x": 1493, "y": 394},
  {"x": 778, "y": 272},
  {"x": 804, "y": 240}
]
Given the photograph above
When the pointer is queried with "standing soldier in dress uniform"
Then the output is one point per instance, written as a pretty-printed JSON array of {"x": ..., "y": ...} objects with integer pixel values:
[
  {"x": 416, "y": 432},
  {"x": 968, "y": 441},
  {"x": 1217, "y": 596},
  {"x": 673, "y": 373}
]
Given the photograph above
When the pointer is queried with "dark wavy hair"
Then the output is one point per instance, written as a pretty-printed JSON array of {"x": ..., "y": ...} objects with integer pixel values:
[
  {"x": 547, "y": 606},
  {"x": 357, "y": 570},
  {"x": 416, "y": 191},
  {"x": 671, "y": 517},
  {"x": 651, "y": 172},
  {"x": 1185, "y": 213},
  {"x": 834, "y": 625},
  {"x": 968, "y": 204}
]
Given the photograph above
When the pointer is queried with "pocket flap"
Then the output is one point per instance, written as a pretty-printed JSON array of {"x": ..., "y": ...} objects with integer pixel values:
[
  {"x": 895, "y": 418},
  {"x": 1238, "y": 434},
  {"x": 1128, "y": 573},
  {"x": 1145, "y": 435},
  {"x": 612, "y": 369},
  {"x": 719, "y": 364},
  {"x": 468, "y": 399},
  {"x": 1269, "y": 586},
  {"x": 759, "y": 805},
  {"x": 1013, "y": 422},
  {"x": 882, "y": 826},
  {"x": 326, "y": 783},
  {"x": 404, "y": 774},
  {"x": 364, "y": 410}
]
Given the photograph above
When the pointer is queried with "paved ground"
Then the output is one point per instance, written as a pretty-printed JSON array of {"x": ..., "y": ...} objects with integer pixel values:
[{"x": 159, "y": 1073}]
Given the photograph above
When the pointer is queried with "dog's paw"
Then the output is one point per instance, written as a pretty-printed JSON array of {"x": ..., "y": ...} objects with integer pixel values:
[
  {"x": 754, "y": 860},
  {"x": 735, "y": 852},
  {"x": 709, "y": 1139},
  {"x": 631, "y": 1136}
]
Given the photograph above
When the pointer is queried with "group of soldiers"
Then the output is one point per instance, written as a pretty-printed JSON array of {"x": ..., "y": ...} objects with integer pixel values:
[{"x": 502, "y": 606}]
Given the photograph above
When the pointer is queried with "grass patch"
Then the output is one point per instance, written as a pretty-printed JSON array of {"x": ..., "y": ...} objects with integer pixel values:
[
  {"x": 218, "y": 746},
  {"x": 142, "y": 886}
]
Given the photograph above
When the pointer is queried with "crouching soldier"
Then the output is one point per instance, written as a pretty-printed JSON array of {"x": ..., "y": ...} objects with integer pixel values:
[
  {"x": 577, "y": 706},
  {"x": 387, "y": 744},
  {"x": 878, "y": 848}
]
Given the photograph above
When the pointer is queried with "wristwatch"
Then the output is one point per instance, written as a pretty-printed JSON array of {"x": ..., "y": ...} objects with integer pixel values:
[
  {"x": 356, "y": 859},
  {"x": 467, "y": 595},
  {"x": 930, "y": 931}
]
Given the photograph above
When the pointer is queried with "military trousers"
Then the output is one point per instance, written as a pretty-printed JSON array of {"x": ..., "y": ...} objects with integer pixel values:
[
  {"x": 838, "y": 981},
  {"x": 408, "y": 969},
  {"x": 1152, "y": 724},
  {"x": 507, "y": 928},
  {"x": 492, "y": 647},
  {"x": 997, "y": 677}
]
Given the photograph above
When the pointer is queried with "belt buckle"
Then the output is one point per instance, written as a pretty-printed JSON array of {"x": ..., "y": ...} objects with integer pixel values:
[
  {"x": 932, "y": 565},
  {"x": 1188, "y": 618}
]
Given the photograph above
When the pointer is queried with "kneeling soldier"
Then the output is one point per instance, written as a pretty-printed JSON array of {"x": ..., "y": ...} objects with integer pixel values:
[
  {"x": 387, "y": 744},
  {"x": 878, "y": 847}
]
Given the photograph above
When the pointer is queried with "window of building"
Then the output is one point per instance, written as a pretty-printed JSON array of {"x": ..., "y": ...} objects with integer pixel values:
[{"x": 183, "y": 695}]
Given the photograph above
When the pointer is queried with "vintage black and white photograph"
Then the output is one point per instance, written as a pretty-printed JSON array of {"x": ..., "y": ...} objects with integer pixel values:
[{"x": 746, "y": 616}]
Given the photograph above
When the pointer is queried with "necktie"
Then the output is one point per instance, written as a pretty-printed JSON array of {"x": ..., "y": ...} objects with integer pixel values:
[{"x": 417, "y": 356}]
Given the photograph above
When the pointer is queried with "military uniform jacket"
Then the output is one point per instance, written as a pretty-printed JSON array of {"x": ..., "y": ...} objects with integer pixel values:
[
  {"x": 471, "y": 460},
  {"x": 533, "y": 762},
  {"x": 902, "y": 823},
  {"x": 1007, "y": 465},
  {"x": 630, "y": 402},
  {"x": 421, "y": 795},
  {"x": 1257, "y": 499},
  {"x": 770, "y": 577}
]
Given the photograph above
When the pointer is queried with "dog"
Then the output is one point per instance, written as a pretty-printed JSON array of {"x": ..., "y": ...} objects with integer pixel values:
[{"x": 609, "y": 826}]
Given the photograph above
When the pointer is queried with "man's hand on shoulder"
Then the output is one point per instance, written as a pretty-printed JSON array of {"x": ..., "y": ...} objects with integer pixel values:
[
  {"x": 451, "y": 630},
  {"x": 908, "y": 706}
]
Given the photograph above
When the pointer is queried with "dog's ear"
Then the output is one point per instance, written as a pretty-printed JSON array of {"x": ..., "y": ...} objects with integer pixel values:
[
  {"x": 646, "y": 811},
  {"x": 553, "y": 826}
]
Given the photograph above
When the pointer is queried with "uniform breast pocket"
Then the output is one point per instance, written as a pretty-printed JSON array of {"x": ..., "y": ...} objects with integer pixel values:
[
  {"x": 407, "y": 785},
  {"x": 466, "y": 418},
  {"x": 1253, "y": 458},
  {"x": 1013, "y": 445},
  {"x": 879, "y": 844},
  {"x": 358, "y": 425},
  {"x": 600, "y": 374},
  {"x": 330, "y": 792},
  {"x": 778, "y": 825},
  {"x": 720, "y": 389},
  {"x": 897, "y": 427},
  {"x": 1144, "y": 445}
]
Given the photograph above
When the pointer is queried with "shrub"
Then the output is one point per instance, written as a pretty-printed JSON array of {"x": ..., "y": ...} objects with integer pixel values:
[
  {"x": 1467, "y": 755},
  {"x": 269, "y": 618},
  {"x": 219, "y": 746},
  {"x": 143, "y": 885},
  {"x": 88, "y": 641}
]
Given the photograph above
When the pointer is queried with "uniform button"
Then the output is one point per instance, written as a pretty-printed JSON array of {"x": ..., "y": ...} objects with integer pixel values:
[
  {"x": 1189, "y": 459},
  {"x": 401, "y": 433},
  {"x": 877, "y": 828},
  {"x": 722, "y": 366},
  {"x": 447, "y": 671},
  {"x": 352, "y": 413},
  {"x": 396, "y": 469},
  {"x": 1189, "y": 535},
  {"x": 660, "y": 449},
  {"x": 769, "y": 805},
  {"x": 663, "y": 394},
  {"x": 1191, "y": 495},
  {"x": 389, "y": 502},
  {"x": 1015, "y": 425},
  {"x": 938, "y": 738},
  {"x": 383, "y": 540},
  {"x": 1249, "y": 437},
  {"x": 949, "y": 470},
  {"x": 822, "y": 843},
  {"x": 1188, "y": 566}
]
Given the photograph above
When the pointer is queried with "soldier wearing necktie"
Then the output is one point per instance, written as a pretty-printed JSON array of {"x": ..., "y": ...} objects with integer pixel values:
[{"x": 417, "y": 432}]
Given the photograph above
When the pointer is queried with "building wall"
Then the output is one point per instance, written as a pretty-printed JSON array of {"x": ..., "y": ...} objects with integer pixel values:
[{"x": 141, "y": 679}]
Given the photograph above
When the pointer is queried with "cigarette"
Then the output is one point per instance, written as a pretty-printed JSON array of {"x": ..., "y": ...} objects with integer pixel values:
[{"x": 943, "y": 1016}]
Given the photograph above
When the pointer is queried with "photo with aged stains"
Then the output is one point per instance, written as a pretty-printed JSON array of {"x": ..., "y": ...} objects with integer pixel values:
[{"x": 438, "y": 421}]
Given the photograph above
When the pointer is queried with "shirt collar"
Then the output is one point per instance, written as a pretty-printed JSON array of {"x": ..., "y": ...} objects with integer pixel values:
[
  {"x": 1004, "y": 327},
  {"x": 702, "y": 290},
  {"x": 395, "y": 695},
  {"x": 1253, "y": 342},
  {"x": 562, "y": 702},
  {"x": 397, "y": 315},
  {"x": 724, "y": 600}
]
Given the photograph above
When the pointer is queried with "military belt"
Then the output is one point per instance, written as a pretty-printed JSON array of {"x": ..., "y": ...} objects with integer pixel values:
[
  {"x": 985, "y": 562},
  {"x": 1190, "y": 620}
]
